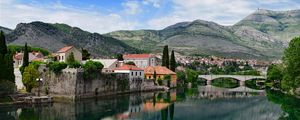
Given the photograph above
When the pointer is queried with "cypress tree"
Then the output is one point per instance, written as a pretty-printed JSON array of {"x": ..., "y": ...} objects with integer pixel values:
[
  {"x": 3, "y": 47},
  {"x": 165, "y": 57},
  {"x": 25, "y": 56},
  {"x": 172, "y": 61},
  {"x": 154, "y": 75}
]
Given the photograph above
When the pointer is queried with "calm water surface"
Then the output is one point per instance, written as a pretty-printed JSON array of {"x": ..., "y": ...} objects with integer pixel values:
[{"x": 202, "y": 103}]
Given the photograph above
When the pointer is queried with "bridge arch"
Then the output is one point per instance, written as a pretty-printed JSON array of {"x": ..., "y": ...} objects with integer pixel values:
[{"x": 240, "y": 78}]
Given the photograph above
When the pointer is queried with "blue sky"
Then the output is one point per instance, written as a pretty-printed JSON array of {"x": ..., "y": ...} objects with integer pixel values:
[{"x": 104, "y": 16}]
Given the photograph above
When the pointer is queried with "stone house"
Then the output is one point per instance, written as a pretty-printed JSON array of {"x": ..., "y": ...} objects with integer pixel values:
[
  {"x": 135, "y": 74},
  {"x": 161, "y": 72},
  {"x": 141, "y": 60},
  {"x": 64, "y": 52},
  {"x": 109, "y": 65}
]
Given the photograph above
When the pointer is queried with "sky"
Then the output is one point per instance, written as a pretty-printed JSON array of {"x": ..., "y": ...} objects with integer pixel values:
[{"x": 104, "y": 16}]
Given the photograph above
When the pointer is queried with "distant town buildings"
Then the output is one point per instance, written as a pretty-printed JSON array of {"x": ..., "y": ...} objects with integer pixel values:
[
  {"x": 33, "y": 56},
  {"x": 141, "y": 60},
  {"x": 64, "y": 52}
]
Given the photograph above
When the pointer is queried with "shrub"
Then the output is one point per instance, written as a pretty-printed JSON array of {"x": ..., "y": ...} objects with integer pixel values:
[
  {"x": 75, "y": 64},
  {"x": 56, "y": 67},
  {"x": 6, "y": 87},
  {"x": 91, "y": 69}
]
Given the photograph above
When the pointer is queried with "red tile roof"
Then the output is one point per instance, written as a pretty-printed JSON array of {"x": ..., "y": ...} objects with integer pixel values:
[
  {"x": 160, "y": 70},
  {"x": 128, "y": 67},
  {"x": 18, "y": 56},
  {"x": 38, "y": 59},
  {"x": 126, "y": 56},
  {"x": 65, "y": 49}
]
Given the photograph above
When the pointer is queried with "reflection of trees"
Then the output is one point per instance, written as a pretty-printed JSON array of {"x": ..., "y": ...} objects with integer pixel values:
[
  {"x": 171, "y": 111},
  {"x": 289, "y": 104}
]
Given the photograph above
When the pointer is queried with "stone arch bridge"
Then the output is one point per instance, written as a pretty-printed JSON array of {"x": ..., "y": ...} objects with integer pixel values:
[{"x": 240, "y": 78}]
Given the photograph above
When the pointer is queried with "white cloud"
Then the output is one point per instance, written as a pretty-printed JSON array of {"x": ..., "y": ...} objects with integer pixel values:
[
  {"x": 225, "y": 12},
  {"x": 154, "y": 3},
  {"x": 132, "y": 7},
  {"x": 12, "y": 13}
]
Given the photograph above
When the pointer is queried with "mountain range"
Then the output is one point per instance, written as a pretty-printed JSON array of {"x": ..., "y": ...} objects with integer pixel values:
[
  {"x": 55, "y": 36},
  {"x": 261, "y": 35}
]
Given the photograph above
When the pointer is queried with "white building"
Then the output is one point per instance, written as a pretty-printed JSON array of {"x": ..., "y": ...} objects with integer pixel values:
[
  {"x": 136, "y": 75},
  {"x": 141, "y": 60},
  {"x": 109, "y": 65},
  {"x": 64, "y": 52}
]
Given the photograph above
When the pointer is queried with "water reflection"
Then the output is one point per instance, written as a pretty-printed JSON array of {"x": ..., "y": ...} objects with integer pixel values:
[{"x": 202, "y": 103}]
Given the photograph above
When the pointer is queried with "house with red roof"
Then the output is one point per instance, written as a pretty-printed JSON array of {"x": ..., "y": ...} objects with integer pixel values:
[
  {"x": 64, "y": 52},
  {"x": 141, "y": 60},
  {"x": 135, "y": 74},
  {"x": 33, "y": 56},
  {"x": 161, "y": 73}
]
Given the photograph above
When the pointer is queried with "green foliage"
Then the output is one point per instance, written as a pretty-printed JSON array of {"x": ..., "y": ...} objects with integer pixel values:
[
  {"x": 18, "y": 48},
  {"x": 130, "y": 63},
  {"x": 36, "y": 64},
  {"x": 191, "y": 76},
  {"x": 154, "y": 75},
  {"x": 119, "y": 57},
  {"x": 181, "y": 77},
  {"x": 289, "y": 104},
  {"x": 252, "y": 84},
  {"x": 29, "y": 77},
  {"x": 6, "y": 87},
  {"x": 165, "y": 57},
  {"x": 172, "y": 61},
  {"x": 91, "y": 69},
  {"x": 160, "y": 81},
  {"x": 75, "y": 64},
  {"x": 70, "y": 58},
  {"x": 3, "y": 47},
  {"x": 72, "y": 63},
  {"x": 168, "y": 79},
  {"x": 292, "y": 61},
  {"x": 275, "y": 73},
  {"x": 225, "y": 83},
  {"x": 6, "y": 68},
  {"x": 56, "y": 67},
  {"x": 85, "y": 54}
]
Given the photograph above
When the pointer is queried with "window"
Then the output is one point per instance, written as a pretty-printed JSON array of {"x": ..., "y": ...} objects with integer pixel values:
[
  {"x": 140, "y": 73},
  {"x": 131, "y": 73},
  {"x": 62, "y": 57},
  {"x": 58, "y": 57},
  {"x": 135, "y": 73}
]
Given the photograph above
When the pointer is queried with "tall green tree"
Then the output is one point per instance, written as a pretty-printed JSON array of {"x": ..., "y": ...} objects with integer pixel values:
[
  {"x": 292, "y": 61},
  {"x": 3, "y": 47},
  {"x": 165, "y": 57},
  {"x": 7, "y": 77},
  {"x": 173, "y": 62},
  {"x": 25, "y": 59},
  {"x": 85, "y": 54},
  {"x": 29, "y": 77}
]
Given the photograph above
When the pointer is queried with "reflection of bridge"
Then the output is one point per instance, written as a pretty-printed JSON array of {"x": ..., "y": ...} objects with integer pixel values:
[
  {"x": 240, "y": 78},
  {"x": 214, "y": 92}
]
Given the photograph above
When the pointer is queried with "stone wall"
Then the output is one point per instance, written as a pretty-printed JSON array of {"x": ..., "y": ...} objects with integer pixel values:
[{"x": 70, "y": 83}]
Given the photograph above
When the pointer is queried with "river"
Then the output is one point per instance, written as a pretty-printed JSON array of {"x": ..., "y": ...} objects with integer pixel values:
[{"x": 202, "y": 103}]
